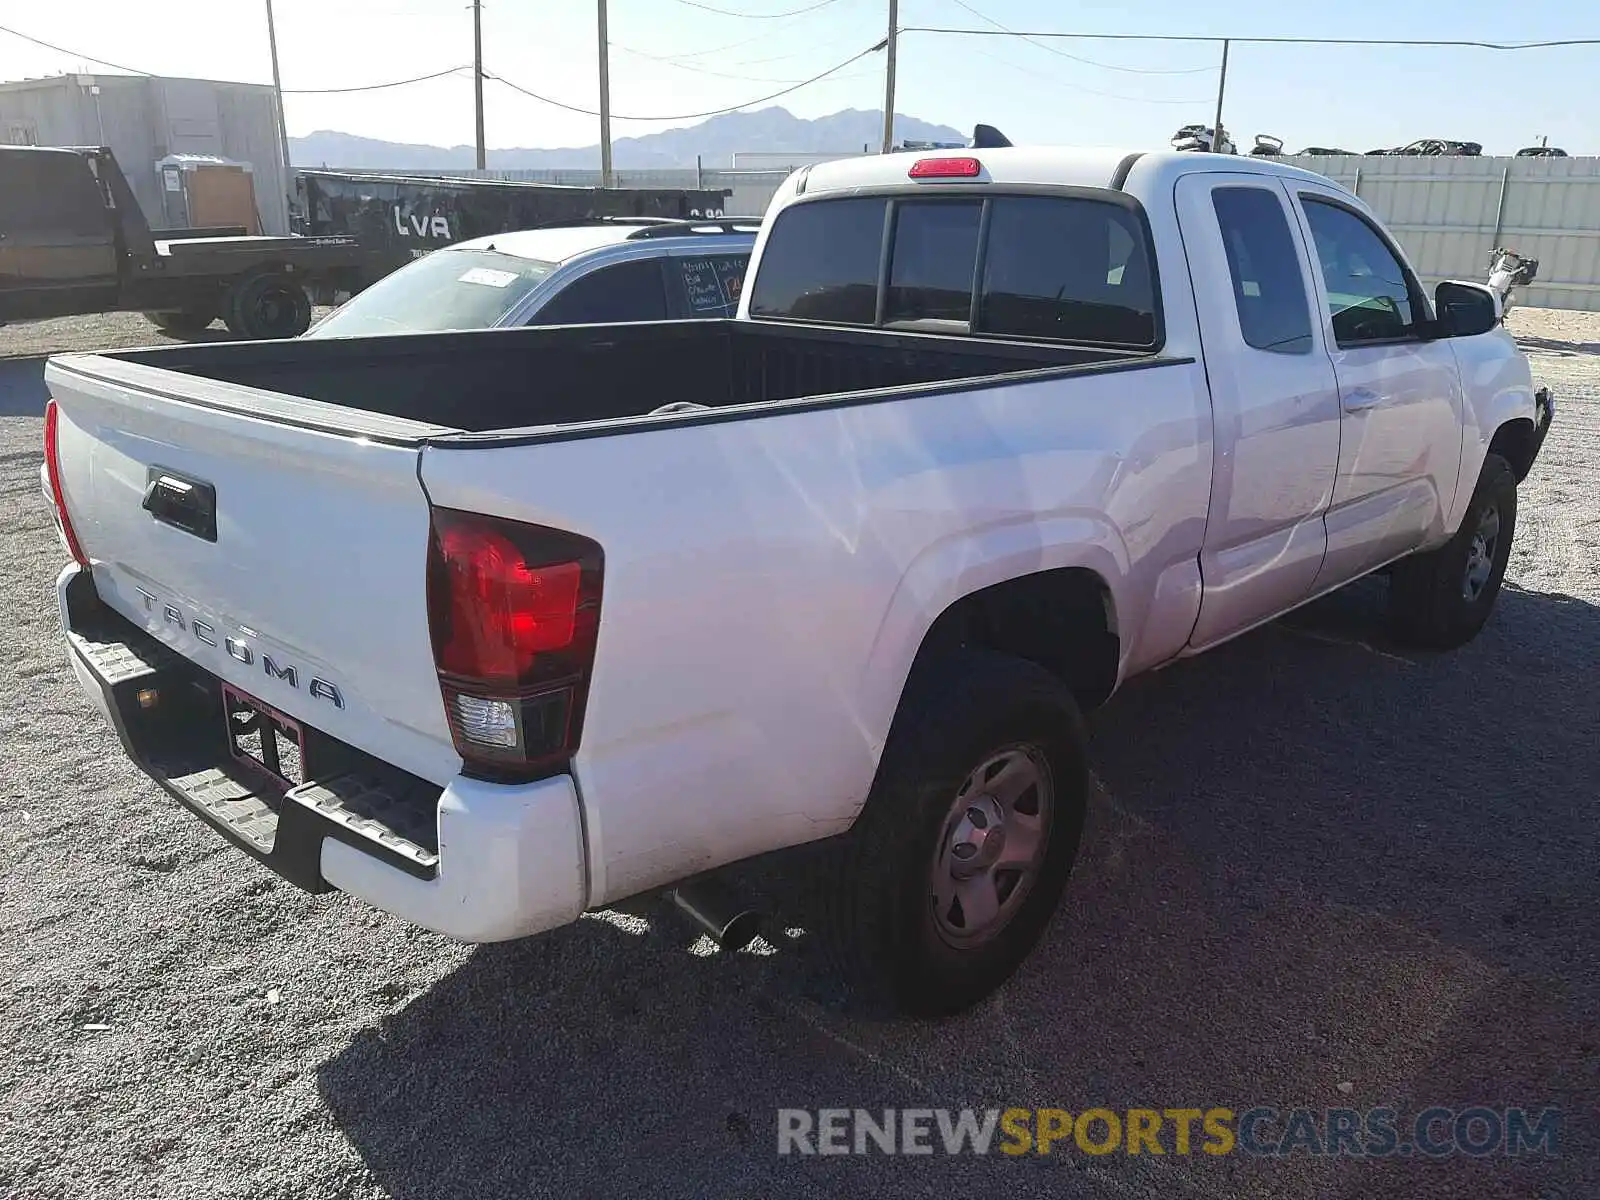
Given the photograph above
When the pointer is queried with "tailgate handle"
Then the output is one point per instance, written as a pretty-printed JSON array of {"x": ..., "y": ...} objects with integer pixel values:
[{"x": 184, "y": 503}]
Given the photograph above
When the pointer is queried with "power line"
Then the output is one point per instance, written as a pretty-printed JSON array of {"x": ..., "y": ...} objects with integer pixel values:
[
  {"x": 366, "y": 87},
  {"x": 755, "y": 37},
  {"x": 1218, "y": 39},
  {"x": 724, "y": 12},
  {"x": 1087, "y": 61},
  {"x": 373, "y": 87},
  {"x": 99, "y": 62},
  {"x": 716, "y": 112},
  {"x": 679, "y": 66},
  {"x": 680, "y": 58},
  {"x": 1079, "y": 88}
]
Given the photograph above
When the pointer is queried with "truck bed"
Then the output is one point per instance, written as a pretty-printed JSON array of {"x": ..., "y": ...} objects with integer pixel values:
[{"x": 498, "y": 380}]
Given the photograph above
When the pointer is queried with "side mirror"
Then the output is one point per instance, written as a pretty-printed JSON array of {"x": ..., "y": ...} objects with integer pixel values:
[{"x": 1466, "y": 309}]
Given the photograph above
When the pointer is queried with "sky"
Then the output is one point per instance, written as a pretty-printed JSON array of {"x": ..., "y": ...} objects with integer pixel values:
[{"x": 671, "y": 58}]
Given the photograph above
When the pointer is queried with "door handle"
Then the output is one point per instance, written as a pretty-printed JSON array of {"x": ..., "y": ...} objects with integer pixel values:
[
  {"x": 183, "y": 503},
  {"x": 1361, "y": 399}
]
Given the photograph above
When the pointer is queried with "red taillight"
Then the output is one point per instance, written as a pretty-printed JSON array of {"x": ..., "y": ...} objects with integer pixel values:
[
  {"x": 502, "y": 612},
  {"x": 52, "y": 460},
  {"x": 514, "y": 611},
  {"x": 946, "y": 168}
]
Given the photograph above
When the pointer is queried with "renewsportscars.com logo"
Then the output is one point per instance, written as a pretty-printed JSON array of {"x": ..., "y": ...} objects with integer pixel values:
[{"x": 1260, "y": 1132}]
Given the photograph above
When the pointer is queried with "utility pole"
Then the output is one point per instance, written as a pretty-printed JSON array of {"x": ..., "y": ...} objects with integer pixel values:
[
  {"x": 277, "y": 100},
  {"x": 890, "y": 46},
  {"x": 477, "y": 77},
  {"x": 605, "y": 100},
  {"x": 1222, "y": 83}
]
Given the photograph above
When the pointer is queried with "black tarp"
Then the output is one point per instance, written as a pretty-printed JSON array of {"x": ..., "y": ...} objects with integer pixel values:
[{"x": 398, "y": 217}]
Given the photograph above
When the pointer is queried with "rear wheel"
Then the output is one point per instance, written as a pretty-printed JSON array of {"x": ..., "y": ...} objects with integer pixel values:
[
  {"x": 1442, "y": 599},
  {"x": 952, "y": 872},
  {"x": 182, "y": 322},
  {"x": 268, "y": 305}
]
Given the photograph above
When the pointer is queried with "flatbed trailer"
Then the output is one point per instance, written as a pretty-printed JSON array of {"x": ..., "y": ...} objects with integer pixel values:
[{"x": 74, "y": 240}]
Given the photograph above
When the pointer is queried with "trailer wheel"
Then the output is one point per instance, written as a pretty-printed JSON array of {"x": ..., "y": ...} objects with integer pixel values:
[
  {"x": 268, "y": 305},
  {"x": 182, "y": 322}
]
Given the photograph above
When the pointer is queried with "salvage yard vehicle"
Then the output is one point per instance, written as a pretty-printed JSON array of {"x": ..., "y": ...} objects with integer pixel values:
[
  {"x": 73, "y": 240},
  {"x": 1508, "y": 271},
  {"x": 492, "y": 628},
  {"x": 583, "y": 273}
]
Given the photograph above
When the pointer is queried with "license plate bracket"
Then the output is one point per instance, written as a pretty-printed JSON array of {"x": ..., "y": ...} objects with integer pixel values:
[{"x": 264, "y": 739}]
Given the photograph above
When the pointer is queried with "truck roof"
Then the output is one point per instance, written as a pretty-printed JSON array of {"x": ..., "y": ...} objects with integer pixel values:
[{"x": 1096, "y": 167}]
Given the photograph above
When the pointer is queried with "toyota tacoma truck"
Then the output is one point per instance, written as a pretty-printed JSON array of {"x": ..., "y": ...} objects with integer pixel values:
[{"x": 493, "y": 628}]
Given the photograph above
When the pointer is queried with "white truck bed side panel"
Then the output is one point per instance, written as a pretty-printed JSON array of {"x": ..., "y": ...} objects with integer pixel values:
[{"x": 768, "y": 582}]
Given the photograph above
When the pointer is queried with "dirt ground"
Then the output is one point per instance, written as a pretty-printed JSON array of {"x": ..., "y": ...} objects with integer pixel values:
[{"x": 100, "y": 331}]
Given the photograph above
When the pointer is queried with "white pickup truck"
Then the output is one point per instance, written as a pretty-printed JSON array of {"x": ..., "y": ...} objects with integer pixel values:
[{"x": 492, "y": 628}]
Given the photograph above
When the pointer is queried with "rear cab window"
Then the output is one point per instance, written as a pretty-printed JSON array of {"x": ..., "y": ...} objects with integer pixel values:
[
  {"x": 1037, "y": 267},
  {"x": 821, "y": 263},
  {"x": 935, "y": 247},
  {"x": 51, "y": 192}
]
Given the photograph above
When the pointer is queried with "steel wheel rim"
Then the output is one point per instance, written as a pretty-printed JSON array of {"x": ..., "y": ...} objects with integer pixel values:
[
  {"x": 991, "y": 846},
  {"x": 1480, "y": 554}
]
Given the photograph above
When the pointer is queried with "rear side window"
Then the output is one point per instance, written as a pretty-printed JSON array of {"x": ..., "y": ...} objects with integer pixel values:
[
  {"x": 1063, "y": 268},
  {"x": 710, "y": 286},
  {"x": 821, "y": 263},
  {"x": 1067, "y": 269},
  {"x": 1268, "y": 288},
  {"x": 629, "y": 291}
]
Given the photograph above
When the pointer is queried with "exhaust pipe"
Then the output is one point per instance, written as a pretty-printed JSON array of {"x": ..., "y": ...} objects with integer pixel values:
[{"x": 717, "y": 909}]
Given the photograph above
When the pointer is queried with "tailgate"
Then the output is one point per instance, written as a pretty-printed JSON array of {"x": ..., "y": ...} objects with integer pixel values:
[{"x": 279, "y": 544}]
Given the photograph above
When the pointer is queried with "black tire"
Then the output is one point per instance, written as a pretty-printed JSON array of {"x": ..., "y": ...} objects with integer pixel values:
[
  {"x": 181, "y": 322},
  {"x": 879, "y": 898},
  {"x": 267, "y": 306},
  {"x": 1433, "y": 602}
]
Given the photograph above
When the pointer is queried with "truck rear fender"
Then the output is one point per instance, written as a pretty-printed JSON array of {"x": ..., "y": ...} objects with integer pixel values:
[{"x": 962, "y": 590}]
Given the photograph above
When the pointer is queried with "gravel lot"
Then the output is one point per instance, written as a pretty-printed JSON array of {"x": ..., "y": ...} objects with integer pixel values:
[
  {"x": 102, "y": 331},
  {"x": 1346, "y": 877}
]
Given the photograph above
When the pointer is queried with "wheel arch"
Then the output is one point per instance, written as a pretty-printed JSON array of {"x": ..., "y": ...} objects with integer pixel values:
[
  {"x": 981, "y": 588},
  {"x": 1516, "y": 441},
  {"x": 1064, "y": 619}
]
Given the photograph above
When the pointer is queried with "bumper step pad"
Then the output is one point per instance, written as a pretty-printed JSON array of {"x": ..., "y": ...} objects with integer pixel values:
[
  {"x": 399, "y": 820},
  {"x": 182, "y": 743}
]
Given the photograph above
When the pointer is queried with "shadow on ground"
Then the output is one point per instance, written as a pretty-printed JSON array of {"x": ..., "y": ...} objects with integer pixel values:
[
  {"x": 1319, "y": 872},
  {"x": 1558, "y": 346},
  {"x": 22, "y": 390}
]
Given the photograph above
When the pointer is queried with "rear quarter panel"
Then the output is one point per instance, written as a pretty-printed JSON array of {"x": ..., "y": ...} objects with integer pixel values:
[{"x": 768, "y": 582}]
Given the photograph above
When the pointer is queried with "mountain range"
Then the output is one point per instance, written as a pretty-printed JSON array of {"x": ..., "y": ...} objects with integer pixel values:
[{"x": 714, "y": 141}]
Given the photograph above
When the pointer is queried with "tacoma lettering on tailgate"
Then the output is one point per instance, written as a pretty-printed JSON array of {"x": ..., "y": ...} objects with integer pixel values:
[{"x": 240, "y": 651}]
